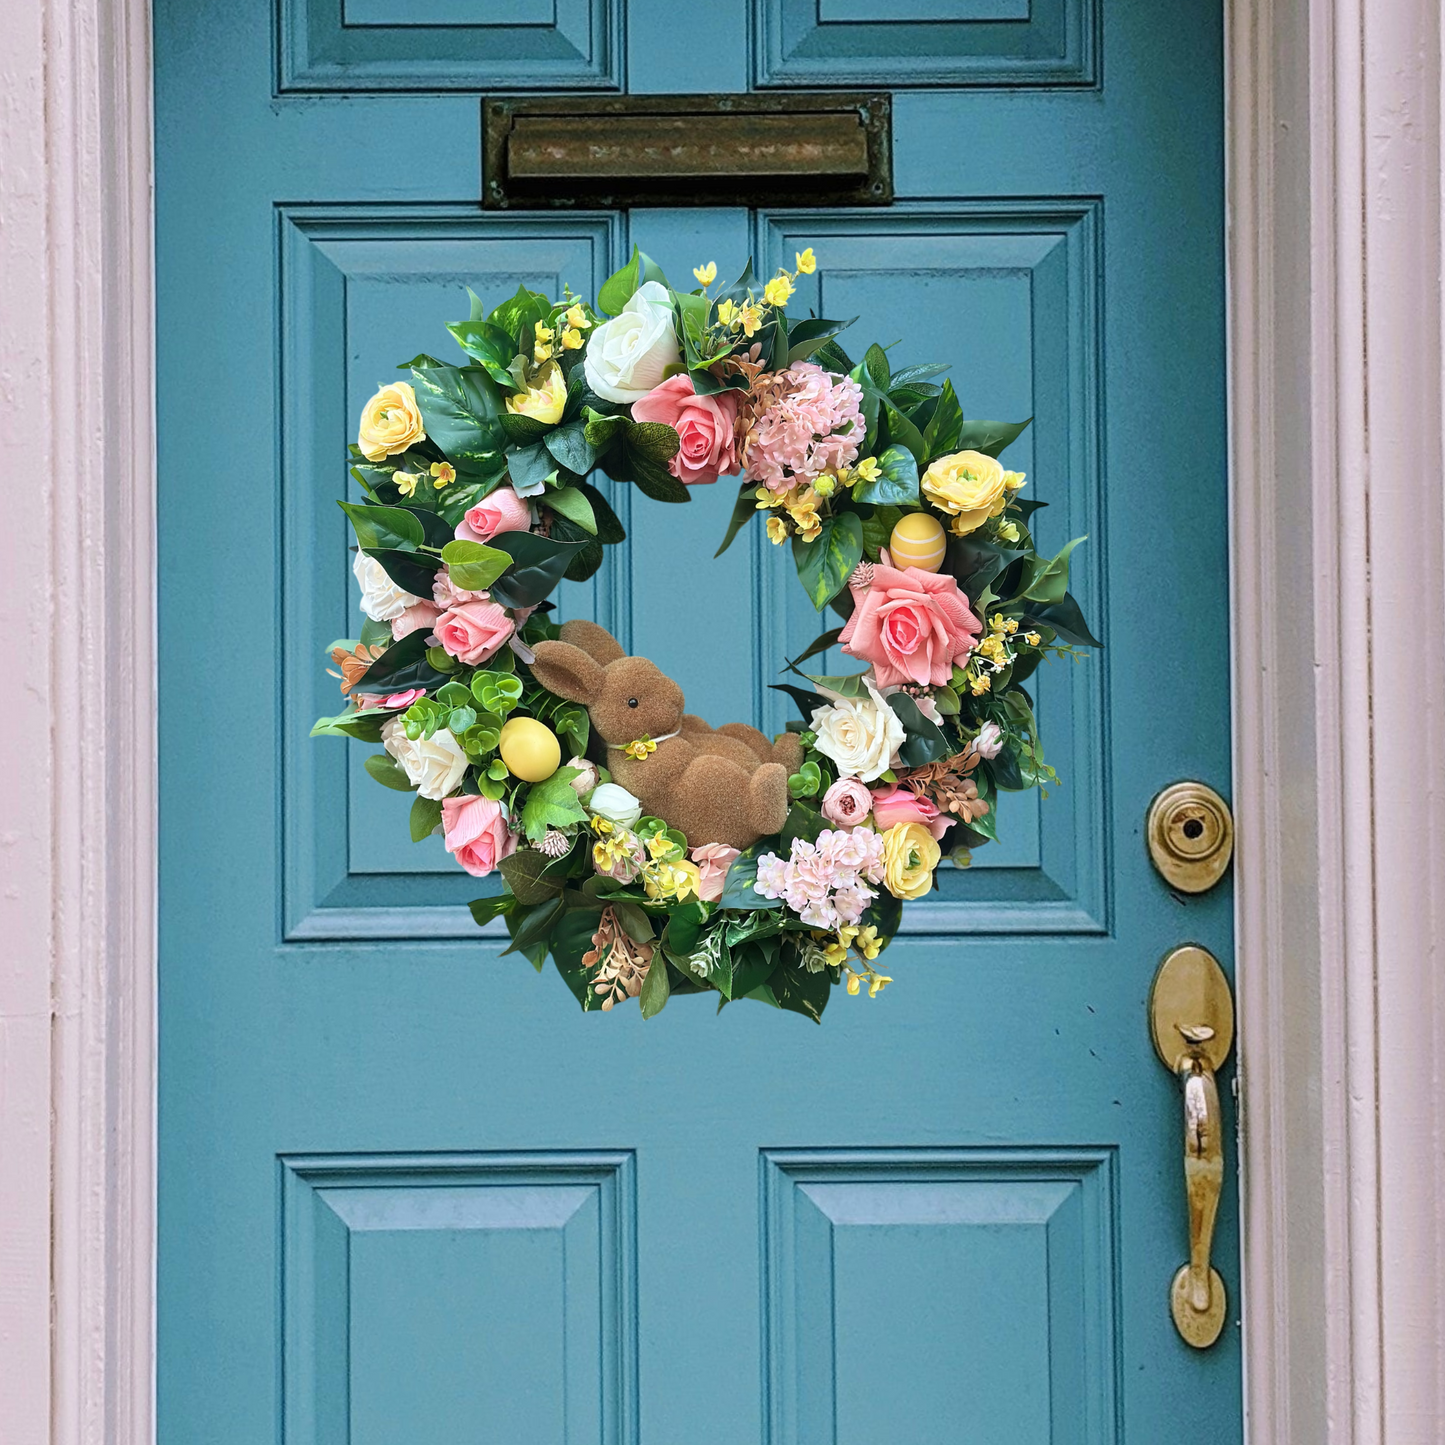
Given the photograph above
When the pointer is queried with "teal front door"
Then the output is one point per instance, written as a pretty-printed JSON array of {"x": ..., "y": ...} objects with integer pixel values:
[{"x": 409, "y": 1193}]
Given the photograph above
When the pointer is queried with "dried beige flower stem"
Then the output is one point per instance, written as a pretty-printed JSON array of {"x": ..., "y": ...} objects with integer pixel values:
[{"x": 621, "y": 961}]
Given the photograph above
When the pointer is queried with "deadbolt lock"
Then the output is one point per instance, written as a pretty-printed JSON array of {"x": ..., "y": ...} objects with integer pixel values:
[{"x": 1191, "y": 836}]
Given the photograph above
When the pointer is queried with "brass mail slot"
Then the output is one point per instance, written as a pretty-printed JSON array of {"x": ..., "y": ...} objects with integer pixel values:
[{"x": 687, "y": 150}]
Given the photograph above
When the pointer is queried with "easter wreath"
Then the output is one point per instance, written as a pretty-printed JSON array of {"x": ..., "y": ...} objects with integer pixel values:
[{"x": 654, "y": 854}]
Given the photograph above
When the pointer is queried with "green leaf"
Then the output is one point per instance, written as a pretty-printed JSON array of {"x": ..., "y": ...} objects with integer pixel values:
[
  {"x": 824, "y": 566},
  {"x": 738, "y": 890},
  {"x": 843, "y": 684},
  {"x": 831, "y": 357},
  {"x": 1065, "y": 620},
  {"x": 923, "y": 740},
  {"x": 878, "y": 528},
  {"x": 897, "y": 480},
  {"x": 485, "y": 909},
  {"x": 989, "y": 437},
  {"x": 806, "y": 701},
  {"x": 802, "y": 992},
  {"x": 618, "y": 288},
  {"x": 569, "y": 445},
  {"x": 522, "y": 430},
  {"x": 537, "y": 925},
  {"x": 388, "y": 772},
  {"x": 572, "y": 503},
  {"x": 527, "y": 874},
  {"x": 875, "y": 362},
  {"x": 519, "y": 315},
  {"x": 552, "y": 804},
  {"x": 940, "y": 436},
  {"x": 460, "y": 407},
  {"x": 601, "y": 431},
  {"x": 911, "y": 374},
  {"x": 426, "y": 816},
  {"x": 808, "y": 336},
  {"x": 661, "y": 488},
  {"x": 531, "y": 468},
  {"x": 819, "y": 644},
  {"x": 610, "y": 530},
  {"x": 1051, "y": 583},
  {"x": 538, "y": 564},
  {"x": 586, "y": 562},
  {"x": 743, "y": 510},
  {"x": 902, "y": 432},
  {"x": 489, "y": 344},
  {"x": 352, "y": 724},
  {"x": 390, "y": 527},
  {"x": 403, "y": 665},
  {"x": 974, "y": 562},
  {"x": 655, "y": 990},
  {"x": 642, "y": 457},
  {"x": 411, "y": 571},
  {"x": 473, "y": 566}
]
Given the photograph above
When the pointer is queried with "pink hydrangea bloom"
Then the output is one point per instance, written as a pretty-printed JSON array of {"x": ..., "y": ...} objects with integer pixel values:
[
  {"x": 825, "y": 883},
  {"x": 810, "y": 423}
]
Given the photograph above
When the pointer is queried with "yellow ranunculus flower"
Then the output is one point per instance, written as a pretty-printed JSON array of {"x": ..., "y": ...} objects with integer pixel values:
[
  {"x": 544, "y": 400},
  {"x": 970, "y": 486},
  {"x": 910, "y": 855},
  {"x": 390, "y": 423}
]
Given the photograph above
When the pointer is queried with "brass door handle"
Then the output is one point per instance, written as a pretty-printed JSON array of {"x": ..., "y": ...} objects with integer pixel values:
[{"x": 1191, "y": 1015}]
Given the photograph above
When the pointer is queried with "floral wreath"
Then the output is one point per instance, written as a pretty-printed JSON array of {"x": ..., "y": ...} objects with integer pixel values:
[{"x": 900, "y": 517}]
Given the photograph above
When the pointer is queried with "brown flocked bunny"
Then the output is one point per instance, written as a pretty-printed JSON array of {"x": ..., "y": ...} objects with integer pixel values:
[{"x": 714, "y": 785}]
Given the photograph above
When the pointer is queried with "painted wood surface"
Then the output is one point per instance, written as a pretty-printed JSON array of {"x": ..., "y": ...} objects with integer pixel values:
[{"x": 384, "y": 1150}]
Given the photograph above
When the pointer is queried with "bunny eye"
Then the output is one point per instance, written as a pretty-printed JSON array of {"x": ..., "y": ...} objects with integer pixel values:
[{"x": 632, "y": 702}]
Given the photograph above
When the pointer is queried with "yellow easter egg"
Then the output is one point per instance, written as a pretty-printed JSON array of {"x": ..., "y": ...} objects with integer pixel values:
[
  {"x": 530, "y": 749},
  {"x": 917, "y": 541}
]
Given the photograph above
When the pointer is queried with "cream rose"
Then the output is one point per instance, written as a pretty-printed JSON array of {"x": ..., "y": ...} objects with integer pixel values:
[
  {"x": 627, "y": 355},
  {"x": 909, "y": 857},
  {"x": 613, "y": 802},
  {"x": 970, "y": 486},
  {"x": 390, "y": 422},
  {"x": 381, "y": 599},
  {"x": 859, "y": 734},
  {"x": 433, "y": 766},
  {"x": 545, "y": 399}
]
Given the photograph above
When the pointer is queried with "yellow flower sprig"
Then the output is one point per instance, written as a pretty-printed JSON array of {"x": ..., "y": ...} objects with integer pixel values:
[
  {"x": 747, "y": 318},
  {"x": 802, "y": 507}
]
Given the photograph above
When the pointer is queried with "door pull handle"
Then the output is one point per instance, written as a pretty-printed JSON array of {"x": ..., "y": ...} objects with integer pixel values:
[{"x": 1191, "y": 1016}]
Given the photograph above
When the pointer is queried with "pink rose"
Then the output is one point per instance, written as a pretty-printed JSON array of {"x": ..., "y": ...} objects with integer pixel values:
[
  {"x": 704, "y": 426},
  {"x": 847, "y": 802},
  {"x": 446, "y": 595},
  {"x": 476, "y": 833},
  {"x": 418, "y": 615},
  {"x": 472, "y": 631},
  {"x": 913, "y": 626},
  {"x": 396, "y": 699},
  {"x": 713, "y": 861},
  {"x": 501, "y": 511},
  {"x": 898, "y": 805}
]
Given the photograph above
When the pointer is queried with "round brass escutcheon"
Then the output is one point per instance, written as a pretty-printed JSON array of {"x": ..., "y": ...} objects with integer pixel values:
[
  {"x": 1191, "y": 1009},
  {"x": 1191, "y": 836},
  {"x": 1197, "y": 1328}
]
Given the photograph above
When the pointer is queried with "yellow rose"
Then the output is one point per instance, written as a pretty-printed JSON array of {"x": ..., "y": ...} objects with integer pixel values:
[
  {"x": 969, "y": 486},
  {"x": 544, "y": 400},
  {"x": 390, "y": 422},
  {"x": 910, "y": 855}
]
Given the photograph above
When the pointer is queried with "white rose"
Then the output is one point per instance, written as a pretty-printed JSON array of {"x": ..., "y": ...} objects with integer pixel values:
[
  {"x": 989, "y": 742},
  {"x": 434, "y": 765},
  {"x": 381, "y": 599},
  {"x": 860, "y": 734},
  {"x": 615, "y": 803},
  {"x": 627, "y": 355},
  {"x": 586, "y": 778}
]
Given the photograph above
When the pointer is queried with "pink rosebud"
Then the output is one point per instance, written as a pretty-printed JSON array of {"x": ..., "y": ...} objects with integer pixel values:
[
  {"x": 913, "y": 626},
  {"x": 418, "y": 615},
  {"x": 476, "y": 833},
  {"x": 898, "y": 805},
  {"x": 500, "y": 511},
  {"x": 704, "y": 426},
  {"x": 713, "y": 861},
  {"x": 472, "y": 631},
  {"x": 446, "y": 595},
  {"x": 847, "y": 803}
]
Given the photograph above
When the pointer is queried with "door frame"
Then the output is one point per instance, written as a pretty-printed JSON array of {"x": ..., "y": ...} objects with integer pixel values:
[{"x": 1337, "y": 436}]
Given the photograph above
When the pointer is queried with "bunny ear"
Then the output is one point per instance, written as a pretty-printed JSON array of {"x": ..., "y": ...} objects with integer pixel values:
[
  {"x": 597, "y": 642},
  {"x": 568, "y": 671}
]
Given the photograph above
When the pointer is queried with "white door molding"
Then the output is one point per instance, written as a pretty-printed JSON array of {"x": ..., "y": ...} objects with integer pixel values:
[
  {"x": 1339, "y": 654},
  {"x": 1334, "y": 120},
  {"x": 77, "y": 729}
]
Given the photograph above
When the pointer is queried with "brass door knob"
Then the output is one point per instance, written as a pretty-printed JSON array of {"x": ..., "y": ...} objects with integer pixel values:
[{"x": 1191, "y": 836}]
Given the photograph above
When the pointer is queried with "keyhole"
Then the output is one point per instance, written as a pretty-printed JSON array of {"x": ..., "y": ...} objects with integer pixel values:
[{"x": 1193, "y": 828}]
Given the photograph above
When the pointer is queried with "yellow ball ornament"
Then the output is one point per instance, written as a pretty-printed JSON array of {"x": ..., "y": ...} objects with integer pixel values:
[
  {"x": 530, "y": 749},
  {"x": 917, "y": 541}
]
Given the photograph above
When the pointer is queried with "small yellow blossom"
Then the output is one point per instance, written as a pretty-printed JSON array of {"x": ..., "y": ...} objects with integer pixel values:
[
  {"x": 576, "y": 318},
  {"x": 672, "y": 880},
  {"x": 542, "y": 346},
  {"x": 777, "y": 530},
  {"x": 877, "y": 982},
  {"x": 601, "y": 825},
  {"x": 706, "y": 275},
  {"x": 750, "y": 318},
  {"x": 778, "y": 290},
  {"x": 803, "y": 509},
  {"x": 807, "y": 261},
  {"x": 981, "y": 684},
  {"x": 1032, "y": 638},
  {"x": 571, "y": 339},
  {"x": 1013, "y": 480},
  {"x": 406, "y": 482},
  {"x": 640, "y": 748},
  {"x": 767, "y": 498},
  {"x": 854, "y": 979},
  {"x": 868, "y": 470},
  {"x": 825, "y": 486},
  {"x": 1012, "y": 624},
  {"x": 727, "y": 315},
  {"x": 443, "y": 474},
  {"x": 991, "y": 648},
  {"x": 661, "y": 846},
  {"x": 1008, "y": 531},
  {"x": 868, "y": 943}
]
